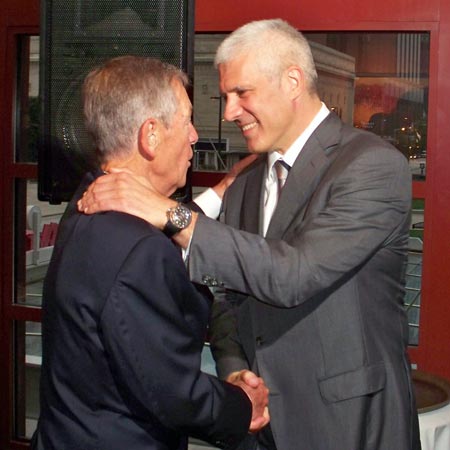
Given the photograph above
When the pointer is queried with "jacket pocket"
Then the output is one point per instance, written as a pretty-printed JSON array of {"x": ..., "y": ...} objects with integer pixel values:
[{"x": 363, "y": 381}]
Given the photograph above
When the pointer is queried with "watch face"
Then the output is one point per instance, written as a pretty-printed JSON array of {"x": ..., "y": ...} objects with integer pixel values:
[{"x": 180, "y": 216}]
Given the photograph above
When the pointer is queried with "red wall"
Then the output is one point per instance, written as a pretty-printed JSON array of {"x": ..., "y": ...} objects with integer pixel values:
[
  {"x": 435, "y": 351},
  {"x": 219, "y": 15}
]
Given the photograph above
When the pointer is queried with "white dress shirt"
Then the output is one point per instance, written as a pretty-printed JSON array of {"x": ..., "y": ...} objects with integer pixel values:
[{"x": 289, "y": 158}]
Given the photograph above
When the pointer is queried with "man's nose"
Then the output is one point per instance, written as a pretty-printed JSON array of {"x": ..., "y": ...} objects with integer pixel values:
[
  {"x": 193, "y": 135},
  {"x": 232, "y": 110}
]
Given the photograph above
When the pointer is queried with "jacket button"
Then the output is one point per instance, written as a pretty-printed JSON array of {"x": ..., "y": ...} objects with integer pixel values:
[{"x": 259, "y": 341}]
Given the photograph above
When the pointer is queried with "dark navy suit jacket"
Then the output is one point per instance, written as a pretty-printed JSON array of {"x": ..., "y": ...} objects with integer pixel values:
[{"x": 123, "y": 330}]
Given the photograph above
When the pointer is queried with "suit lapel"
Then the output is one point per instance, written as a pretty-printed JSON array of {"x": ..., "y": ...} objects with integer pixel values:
[
  {"x": 305, "y": 175},
  {"x": 253, "y": 199}
]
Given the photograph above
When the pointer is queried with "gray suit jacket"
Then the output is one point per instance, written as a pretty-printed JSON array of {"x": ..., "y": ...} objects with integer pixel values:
[{"x": 317, "y": 306}]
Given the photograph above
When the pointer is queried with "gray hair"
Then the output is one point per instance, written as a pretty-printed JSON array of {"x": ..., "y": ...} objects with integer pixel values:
[
  {"x": 278, "y": 45},
  {"x": 124, "y": 92}
]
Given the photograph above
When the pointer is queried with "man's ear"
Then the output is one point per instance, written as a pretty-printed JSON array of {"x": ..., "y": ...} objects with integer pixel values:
[
  {"x": 148, "y": 137},
  {"x": 296, "y": 81}
]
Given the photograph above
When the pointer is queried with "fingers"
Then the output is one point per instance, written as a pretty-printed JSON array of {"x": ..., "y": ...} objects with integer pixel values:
[
  {"x": 112, "y": 192},
  {"x": 260, "y": 422},
  {"x": 117, "y": 170},
  {"x": 260, "y": 399},
  {"x": 91, "y": 201},
  {"x": 128, "y": 193},
  {"x": 250, "y": 379},
  {"x": 246, "y": 376},
  {"x": 258, "y": 394}
]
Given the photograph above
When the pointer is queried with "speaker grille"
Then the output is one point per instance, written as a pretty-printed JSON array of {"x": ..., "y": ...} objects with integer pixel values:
[{"x": 77, "y": 36}]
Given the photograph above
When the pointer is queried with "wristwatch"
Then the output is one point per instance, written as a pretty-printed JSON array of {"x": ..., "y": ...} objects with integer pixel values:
[{"x": 178, "y": 218}]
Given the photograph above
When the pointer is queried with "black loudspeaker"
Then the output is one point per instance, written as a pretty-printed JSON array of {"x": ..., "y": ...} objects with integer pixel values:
[{"x": 76, "y": 36}]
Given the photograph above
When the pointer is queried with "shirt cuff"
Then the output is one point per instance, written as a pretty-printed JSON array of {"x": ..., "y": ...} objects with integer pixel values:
[
  {"x": 209, "y": 202},
  {"x": 185, "y": 252}
]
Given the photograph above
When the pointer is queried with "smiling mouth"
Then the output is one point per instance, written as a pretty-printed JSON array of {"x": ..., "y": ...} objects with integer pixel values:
[{"x": 249, "y": 126}]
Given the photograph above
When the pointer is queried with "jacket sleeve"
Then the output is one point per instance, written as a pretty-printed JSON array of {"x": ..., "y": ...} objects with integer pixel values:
[
  {"x": 365, "y": 209},
  {"x": 223, "y": 335},
  {"x": 152, "y": 326}
]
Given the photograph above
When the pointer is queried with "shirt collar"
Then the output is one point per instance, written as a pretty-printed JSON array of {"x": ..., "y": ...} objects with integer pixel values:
[{"x": 294, "y": 150}]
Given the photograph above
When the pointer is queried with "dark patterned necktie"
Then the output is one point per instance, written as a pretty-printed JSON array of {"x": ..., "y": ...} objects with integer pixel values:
[{"x": 282, "y": 169}]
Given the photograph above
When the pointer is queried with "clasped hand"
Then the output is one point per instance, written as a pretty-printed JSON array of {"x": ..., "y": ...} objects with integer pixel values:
[{"x": 258, "y": 393}]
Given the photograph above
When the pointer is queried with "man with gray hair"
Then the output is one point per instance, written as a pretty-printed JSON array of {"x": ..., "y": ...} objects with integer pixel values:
[
  {"x": 309, "y": 274},
  {"x": 123, "y": 327}
]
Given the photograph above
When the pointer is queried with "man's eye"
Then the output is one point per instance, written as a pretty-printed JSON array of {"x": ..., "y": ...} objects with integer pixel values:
[{"x": 243, "y": 94}]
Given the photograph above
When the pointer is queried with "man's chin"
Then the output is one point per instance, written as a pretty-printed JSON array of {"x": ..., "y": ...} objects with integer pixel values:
[
  {"x": 253, "y": 146},
  {"x": 180, "y": 185},
  {"x": 255, "y": 150}
]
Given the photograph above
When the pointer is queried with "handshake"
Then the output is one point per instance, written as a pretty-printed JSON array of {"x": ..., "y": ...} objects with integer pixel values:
[{"x": 258, "y": 394}]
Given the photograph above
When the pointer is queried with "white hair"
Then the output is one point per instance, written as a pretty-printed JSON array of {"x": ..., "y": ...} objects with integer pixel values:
[
  {"x": 121, "y": 94},
  {"x": 277, "y": 44}
]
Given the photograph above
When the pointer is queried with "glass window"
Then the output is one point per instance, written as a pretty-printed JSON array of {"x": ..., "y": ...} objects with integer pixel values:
[
  {"x": 27, "y": 357},
  {"x": 27, "y": 100},
  {"x": 36, "y": 224},
  {"x": 390, "y": 88}
]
